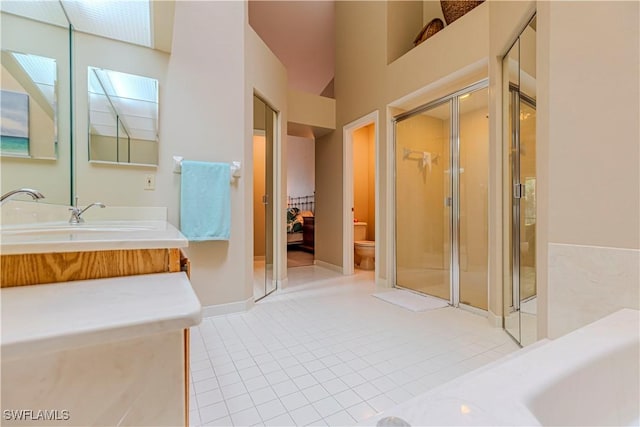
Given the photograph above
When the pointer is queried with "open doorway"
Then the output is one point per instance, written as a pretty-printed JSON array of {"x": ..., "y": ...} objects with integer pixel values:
[
  {"x": 300, "y": 201},
  {"x": 360, "y": 191}
]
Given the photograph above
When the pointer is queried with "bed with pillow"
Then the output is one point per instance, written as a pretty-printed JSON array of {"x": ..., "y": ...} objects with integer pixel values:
[{"x": 298, "y": 209}]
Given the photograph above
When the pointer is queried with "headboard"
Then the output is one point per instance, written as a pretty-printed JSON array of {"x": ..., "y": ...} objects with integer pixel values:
[{"x": 304, "y": 203}]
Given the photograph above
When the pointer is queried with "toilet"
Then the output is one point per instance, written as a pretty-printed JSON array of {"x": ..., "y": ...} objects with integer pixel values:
[{"x": 365, "y": 250}]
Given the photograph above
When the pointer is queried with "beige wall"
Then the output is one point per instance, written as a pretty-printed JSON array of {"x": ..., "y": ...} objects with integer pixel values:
[
  {"x": 594, "y": 194},
  {"x": 364, "y": 178},
  {"x": 589, "y": 201},
  {"x": 404, "y": 22},
  {"x": 301, "y": 172},
  {"x": 431, "y": 9},
  {"x": 51, "y": 177}
]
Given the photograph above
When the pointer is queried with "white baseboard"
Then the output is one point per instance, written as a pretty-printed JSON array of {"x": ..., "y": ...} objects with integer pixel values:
[
  {"x": 382, "y": 283},
  {"x": 228, "y": 308},
  {"x": 494, "y": 320},
  {"x": 282, "y": 283},
  {"x": 328, "y": 266}
]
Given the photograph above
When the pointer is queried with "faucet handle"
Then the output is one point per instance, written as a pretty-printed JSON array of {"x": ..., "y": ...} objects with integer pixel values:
[{"x": 76, "y": 212}]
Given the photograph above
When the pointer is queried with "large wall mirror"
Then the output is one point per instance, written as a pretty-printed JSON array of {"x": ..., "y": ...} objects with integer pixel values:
[
  {"x": 519, "y": 130},
  {"x": 123, "y": 117},
  {"x": 35, "y": 149}
]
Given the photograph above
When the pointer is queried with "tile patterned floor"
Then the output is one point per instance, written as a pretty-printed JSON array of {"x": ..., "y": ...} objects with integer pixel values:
[{"x": 325, "y": 352}]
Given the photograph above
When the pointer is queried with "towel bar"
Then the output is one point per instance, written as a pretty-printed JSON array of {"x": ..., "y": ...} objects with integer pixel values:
[{"x": 236, "y": 167}]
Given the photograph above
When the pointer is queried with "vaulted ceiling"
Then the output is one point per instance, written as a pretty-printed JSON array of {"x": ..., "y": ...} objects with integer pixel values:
[{"x": 302, "y": 35}]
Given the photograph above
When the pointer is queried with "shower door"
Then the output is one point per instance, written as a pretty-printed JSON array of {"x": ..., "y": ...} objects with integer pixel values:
[
  {"x": 424, "y": 202},
  {"x": 265, "y": 120},
  {"x": 441, "y": 177},
  {"x": 520, "y": 284}
]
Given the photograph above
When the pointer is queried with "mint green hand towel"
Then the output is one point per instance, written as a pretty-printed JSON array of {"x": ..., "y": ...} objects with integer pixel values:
[{"x": 205, "y": 201}]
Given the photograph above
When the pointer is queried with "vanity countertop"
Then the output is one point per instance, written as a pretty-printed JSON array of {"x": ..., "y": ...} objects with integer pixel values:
[
  {"x": 60, "y": 236},
  {"x": 47, "y": 318}
]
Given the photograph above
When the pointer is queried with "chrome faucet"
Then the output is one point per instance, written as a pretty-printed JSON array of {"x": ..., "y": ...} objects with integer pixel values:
[
  {"x": 35, "y": 194},
  {"x": 76, "y": 212}
]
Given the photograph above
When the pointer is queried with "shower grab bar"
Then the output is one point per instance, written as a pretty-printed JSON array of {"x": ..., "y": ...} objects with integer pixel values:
[{"x": 406, "y": 152}]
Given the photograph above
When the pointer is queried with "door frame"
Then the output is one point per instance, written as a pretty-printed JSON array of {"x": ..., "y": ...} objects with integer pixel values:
[{"x": 347, "y": 190}]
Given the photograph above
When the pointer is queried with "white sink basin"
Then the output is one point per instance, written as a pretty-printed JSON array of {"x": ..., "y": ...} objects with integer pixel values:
[
  {"x": 73, "y": 229},
  {"x": 60, "y": 236}
]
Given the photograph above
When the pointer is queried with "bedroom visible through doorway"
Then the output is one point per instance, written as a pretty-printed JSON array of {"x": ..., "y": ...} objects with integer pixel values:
[{"x": 300, "y": 201}]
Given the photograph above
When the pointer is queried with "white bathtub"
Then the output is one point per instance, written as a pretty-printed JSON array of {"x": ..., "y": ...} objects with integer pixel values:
[{"x": 586, "y": 378}]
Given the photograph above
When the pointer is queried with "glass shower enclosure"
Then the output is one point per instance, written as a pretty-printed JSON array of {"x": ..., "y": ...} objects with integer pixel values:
[{"x": 441, "y": 201}]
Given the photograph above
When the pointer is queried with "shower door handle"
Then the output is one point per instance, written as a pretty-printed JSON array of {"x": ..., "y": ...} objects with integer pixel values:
[{"x": 518, "y": 191}]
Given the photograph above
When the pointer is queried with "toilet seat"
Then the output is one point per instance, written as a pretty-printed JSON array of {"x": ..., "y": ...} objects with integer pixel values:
[{"x": 365, "y": 243}]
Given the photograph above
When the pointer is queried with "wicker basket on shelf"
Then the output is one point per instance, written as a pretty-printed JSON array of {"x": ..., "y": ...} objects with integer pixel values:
[
  {"x": 428, "y": 30},
  {"x": 454, "y": 9}
]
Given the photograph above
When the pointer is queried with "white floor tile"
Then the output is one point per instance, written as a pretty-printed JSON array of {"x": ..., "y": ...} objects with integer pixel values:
[
  {"x": 244, "y": 363},
  {"x": 276, "y": 377},
  {"x": 295, "y": 371},
  {"x": 250, "y": 372},
  {"x": 327, "y": 406},
  {"x": 335, "y": 386},
  {"x": 324, "y": 344},
  {"x": 202, "y": 364},
  {"x": 268, "y": 367},
  {"x": 202, "y": 386},
  {"x": 271, "y": 409},
  {"x": 208, "y": 398},
  {"x": 305, "y": 381},
  {"x": 194, "y": 418},
  {"x": 381, "y": 403},
  {"x": 256, "y": 383},
  {"x": 384, "y": 384},
  {"x": 315, "y": 393},
  {"x": 284, "y": 388},
  {"x": 347, "y": 398},
  {"x": 323, "y": 375},
  {"x": 228, "y": 379},
  {"x": 263, "y": 395},
  {"x": 305, "y": 415},
  {"x": 353, "y": 379},
  {"x": 399, "y": 395},
  {"x": 341, "y": 418},
  {"x": 282, "y": 420},
  {"x": 221, "y": 422},
  {"x": 366, "y": 391},
  {"x": 314, "y": 366},
  {"x": 213, "y": 412},
  {"x": 248, "y": 417},
  {"x": 239, "y": 403},
  {"x": 294, "y": 401},
  {"x": 233, "y": 390},
  {"x": 361, "y": 411}
]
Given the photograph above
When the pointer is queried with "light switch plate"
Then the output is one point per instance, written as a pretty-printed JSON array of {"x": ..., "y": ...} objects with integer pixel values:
[{"x": 149, "y": 182}]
